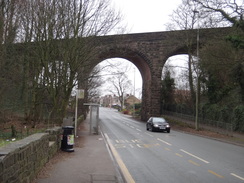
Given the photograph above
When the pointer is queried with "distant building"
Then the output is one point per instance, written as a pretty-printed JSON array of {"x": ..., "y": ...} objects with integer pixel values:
[
  {"x": 131, "y": 99},
  {"x": 109, "y": 100},
  {"x": 113, "y": 100}
]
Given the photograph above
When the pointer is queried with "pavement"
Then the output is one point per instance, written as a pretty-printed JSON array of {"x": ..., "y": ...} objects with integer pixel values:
[{"x": 91, "y": 161}]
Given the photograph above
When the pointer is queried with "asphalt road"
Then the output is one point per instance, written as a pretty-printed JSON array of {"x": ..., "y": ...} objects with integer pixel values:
[{"x": 157, "y": 157}]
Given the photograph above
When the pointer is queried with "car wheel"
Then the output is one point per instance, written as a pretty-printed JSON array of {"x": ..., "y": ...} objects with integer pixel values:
[
  {"x": 147, "y": 128},
  {"x": 168, "y": 131}
]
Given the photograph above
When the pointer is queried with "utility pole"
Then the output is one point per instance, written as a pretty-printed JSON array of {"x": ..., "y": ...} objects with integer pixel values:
[
  {"x": 134, "y": 93},
  {"x": 197, "y": 73}
]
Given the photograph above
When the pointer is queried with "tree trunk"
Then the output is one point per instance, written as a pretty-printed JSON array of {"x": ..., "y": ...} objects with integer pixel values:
[{"x": 190, "y": 79}]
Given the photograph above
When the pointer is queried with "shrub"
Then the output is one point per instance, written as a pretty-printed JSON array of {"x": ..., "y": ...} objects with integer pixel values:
[
  {"x": 239, "y": 118},
  {"x": 125, "y": 111}
]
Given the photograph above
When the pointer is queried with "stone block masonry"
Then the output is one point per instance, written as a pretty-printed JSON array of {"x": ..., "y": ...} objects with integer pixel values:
[{"x": 21, "y": 161}]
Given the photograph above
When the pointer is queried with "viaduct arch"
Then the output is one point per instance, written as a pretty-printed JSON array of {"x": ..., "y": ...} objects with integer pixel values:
[{"x": 149, "y": 52}]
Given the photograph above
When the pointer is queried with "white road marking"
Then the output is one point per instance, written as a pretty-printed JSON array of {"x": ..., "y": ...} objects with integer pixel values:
[
  {"x": 138, "y": 145},
  {"x": 237, "y": 176},
  {"x": 194, "y": 156},
  {"x": 149, "y": 134},
  {"x": 121, "y": 164},
  {"x": 131, "y": 146},
  {"x": 118, "y": 146},
  {"x": 138, "y": 130},
  {"x": 164, "y": 141}
]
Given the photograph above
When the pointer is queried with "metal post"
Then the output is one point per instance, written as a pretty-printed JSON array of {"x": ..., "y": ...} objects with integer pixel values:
[
  {"x": 90, "y": 119},
  {"x": 76, "y": 112},
  {"x": 134, "y": 94},
  {"x": 97, "y": 119}
]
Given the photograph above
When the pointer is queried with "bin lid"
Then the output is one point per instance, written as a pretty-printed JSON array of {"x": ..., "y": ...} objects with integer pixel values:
[{"x": 67, "y": 127}]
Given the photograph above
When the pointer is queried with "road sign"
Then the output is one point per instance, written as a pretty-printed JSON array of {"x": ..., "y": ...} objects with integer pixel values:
[{"x": 80, "y": 93}]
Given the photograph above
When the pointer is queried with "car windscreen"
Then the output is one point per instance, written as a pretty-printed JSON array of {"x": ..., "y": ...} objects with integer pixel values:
[{"x": 159, "y": 120}]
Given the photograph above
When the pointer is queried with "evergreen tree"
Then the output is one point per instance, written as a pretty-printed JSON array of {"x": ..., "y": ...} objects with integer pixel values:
[{"x": 167, "y": 91}]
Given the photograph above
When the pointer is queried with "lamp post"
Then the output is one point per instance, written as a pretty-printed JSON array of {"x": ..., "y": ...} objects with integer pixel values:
[{"x": 197, "y": 73}]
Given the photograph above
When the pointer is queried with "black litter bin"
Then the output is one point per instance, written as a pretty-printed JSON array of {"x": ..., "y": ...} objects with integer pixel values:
[{"x": 67, "y": 140}]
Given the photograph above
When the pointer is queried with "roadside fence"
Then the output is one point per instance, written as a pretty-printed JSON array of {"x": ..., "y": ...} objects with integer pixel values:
[{"x": 216, "y": 126}]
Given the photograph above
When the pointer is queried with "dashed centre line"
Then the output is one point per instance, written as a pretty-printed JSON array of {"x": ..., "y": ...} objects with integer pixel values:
[
  {"x": 212, "y": 172},
  {"x": 167, "y": 149},
  {"x": 237, "y": 176},
  {"x": 194, "y": 156},
  {"x": 164, "y": 141},
  {"x": 149, "y": 134},
  {"x": 177, "y": 154},
  {"x": 193, "y": 162},
  {"x": 136, "y": 143}
]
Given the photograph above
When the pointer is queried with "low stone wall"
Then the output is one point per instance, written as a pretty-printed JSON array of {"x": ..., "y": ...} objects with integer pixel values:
[{"x": 20, "y": 161}]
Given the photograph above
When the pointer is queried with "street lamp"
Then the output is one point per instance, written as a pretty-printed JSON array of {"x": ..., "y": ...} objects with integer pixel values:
[{"x": 197, "y": 73}]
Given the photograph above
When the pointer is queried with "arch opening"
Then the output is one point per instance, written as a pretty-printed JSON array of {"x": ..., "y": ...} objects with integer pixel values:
[
  {"x": 179, "y": 71},
  {"x": 140, "y": 73}
]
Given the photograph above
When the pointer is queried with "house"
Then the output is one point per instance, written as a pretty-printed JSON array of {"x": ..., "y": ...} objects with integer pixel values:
[
  {"x": 109, "y": 100},
  {"x": 130, "y": 100},
  {"x": 113, "y": 100}
]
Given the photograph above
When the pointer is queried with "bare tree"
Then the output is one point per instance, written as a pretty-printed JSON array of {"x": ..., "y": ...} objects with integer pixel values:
[
  {"x": 192, "y": 14},
  {"x": 185, "y": 18},
  {"x": 119, "y": 84},
  {"x": 95, "y": 81},
  {"x": 230, "y": 10},
  {"x": 51, "y": 68},
  {"x": 9, "y": 68}
]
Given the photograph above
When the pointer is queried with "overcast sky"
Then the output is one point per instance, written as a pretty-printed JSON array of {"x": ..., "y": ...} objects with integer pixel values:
[{"x": 144, "y": 16}]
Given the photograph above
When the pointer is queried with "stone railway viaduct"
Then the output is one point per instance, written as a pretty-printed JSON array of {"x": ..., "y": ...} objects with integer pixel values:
[{"x": 149, "y": 52}]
